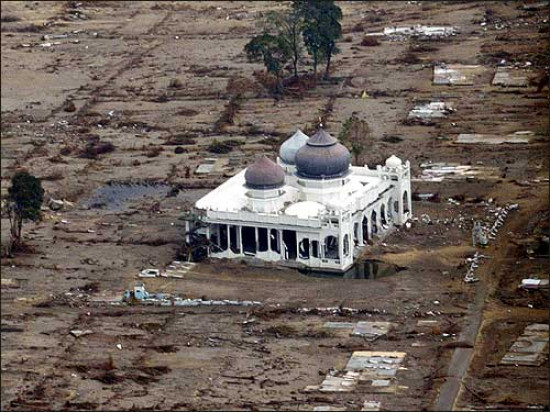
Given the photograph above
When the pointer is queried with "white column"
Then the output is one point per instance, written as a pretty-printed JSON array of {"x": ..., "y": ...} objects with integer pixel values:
[{"x": 240, "y": 239}]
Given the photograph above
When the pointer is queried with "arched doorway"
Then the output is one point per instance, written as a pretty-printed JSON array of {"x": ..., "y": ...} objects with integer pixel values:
[
  {"x": 406, "y": 206},
  {"x": 365, "y": 229},
  {"x": 383, "y": 219},
  {"x": 374, "y": 227}
]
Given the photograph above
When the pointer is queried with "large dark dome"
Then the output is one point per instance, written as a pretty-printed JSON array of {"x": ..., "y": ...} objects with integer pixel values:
[
  {"x": 322, "y": 157},
  {"x": 264, "y": 174}
]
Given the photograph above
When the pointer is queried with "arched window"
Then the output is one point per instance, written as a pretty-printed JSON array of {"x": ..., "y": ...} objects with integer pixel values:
[
  {"x": 331, "y": 247},
  {"x": 389, "y": 210},
  {"x": 346, "y": 245},
  {"x": 374, "y": 227}
]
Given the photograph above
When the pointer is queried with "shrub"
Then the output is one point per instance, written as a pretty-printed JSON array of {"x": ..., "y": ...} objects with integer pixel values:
[
  {"x": 9, "y": 18},
  {"x": 370, "y": 41},
  {"x": 179, "y": 150},
  {"x": 180, "y": 139},
  {"x": 94, "y": 150},
  {"x": 219, "y": 147},
  {"x": 153, "y": 151}
]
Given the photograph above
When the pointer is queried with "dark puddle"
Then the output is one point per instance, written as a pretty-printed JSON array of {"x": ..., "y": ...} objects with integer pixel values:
[
  {"x": 115, "y": 195},
  {"x": 367, "y": 269}
]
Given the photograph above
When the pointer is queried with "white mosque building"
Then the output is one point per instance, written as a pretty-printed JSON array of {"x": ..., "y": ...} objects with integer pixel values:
[{"x": 311, "y": 209}]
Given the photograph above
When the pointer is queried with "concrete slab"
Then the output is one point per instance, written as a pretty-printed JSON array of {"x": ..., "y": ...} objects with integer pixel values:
[
  {"x": 472, "y": 138},
  {"x": 455, "y": 74},
  {"x": 529, "y": 348},
  {"x": 510, "y": 77}
]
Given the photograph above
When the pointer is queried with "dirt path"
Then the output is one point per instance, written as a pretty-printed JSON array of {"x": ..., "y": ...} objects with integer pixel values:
[{"x": 462, "y": 357}]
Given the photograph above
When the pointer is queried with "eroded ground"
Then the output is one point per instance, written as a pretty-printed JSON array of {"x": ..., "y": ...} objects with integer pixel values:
[{"x": 118, "y": 68}]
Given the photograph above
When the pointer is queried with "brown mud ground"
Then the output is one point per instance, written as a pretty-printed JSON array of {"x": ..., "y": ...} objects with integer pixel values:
[{"x": 118, "y": 77}]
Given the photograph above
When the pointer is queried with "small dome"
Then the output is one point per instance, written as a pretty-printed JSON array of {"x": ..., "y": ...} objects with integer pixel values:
[
  {"x": 393, "y": 161},
  {"x": 289, "y": 148},
  {"x": 322, "y": 157},
  {"x": 264, "y": 174}
]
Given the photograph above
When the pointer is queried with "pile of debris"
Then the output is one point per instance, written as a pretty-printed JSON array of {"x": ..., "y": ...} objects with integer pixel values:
[
  {"x": 474, "y": 264},
  {"x": 140, "y": 295},
  {"x": 379, "y": 369},
  {"x": 370, "y": 331},
  {"x": 501, "y": 213},
  {"x": 175, "y": 270}
]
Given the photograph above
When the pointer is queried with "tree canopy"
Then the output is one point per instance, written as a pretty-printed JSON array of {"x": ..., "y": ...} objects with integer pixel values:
[
  {"x": 321, "y": 29},
  {"x": 24, "y": 200},
  {"x": 274, "y": 51}
]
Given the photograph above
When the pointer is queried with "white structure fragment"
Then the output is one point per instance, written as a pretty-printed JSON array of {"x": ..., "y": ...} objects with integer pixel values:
[{"x": 311, "y": 208}]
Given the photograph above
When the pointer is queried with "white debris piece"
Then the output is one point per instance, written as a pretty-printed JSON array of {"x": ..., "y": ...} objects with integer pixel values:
[{"x": 534, "y": 283}]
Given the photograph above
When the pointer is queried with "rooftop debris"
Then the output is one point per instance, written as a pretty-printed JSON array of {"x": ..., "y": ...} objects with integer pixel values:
[
  {"x": 431, "y": 110},
  {"x": 531, "y": 283},
  {"x": 528, "y": 349},
  {"x": 378, "y": 368},
  {"x": 510, "y": 77},
  {"x": 455, "y": 74},
  {"x": 472, "y": 138},
  {"x": 175, "y": 270},
  {"x": 368, "y": 330},
  {"x": 371, "y": 406},
  {"x": 402, "y": 32}
]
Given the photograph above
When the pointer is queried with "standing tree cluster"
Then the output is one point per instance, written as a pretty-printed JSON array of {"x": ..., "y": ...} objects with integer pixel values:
[
  {"x": 314, "y": 24},
  {"x": 24, "y": 201}
]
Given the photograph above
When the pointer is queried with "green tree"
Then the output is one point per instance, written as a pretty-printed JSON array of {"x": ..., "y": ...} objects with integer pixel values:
[
  {"x": 288, "y": 26},
  {"x": 273, "y": 51},
  {"x": 321, "y": 29},
  {"x": 24, "y": 200}
]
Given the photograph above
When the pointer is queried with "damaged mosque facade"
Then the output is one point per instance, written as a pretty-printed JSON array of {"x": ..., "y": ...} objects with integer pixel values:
[{"x": 309, "y": 209}]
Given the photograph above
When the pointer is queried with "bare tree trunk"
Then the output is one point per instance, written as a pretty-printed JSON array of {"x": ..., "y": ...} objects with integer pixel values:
[{"x": 327, "y": 69}]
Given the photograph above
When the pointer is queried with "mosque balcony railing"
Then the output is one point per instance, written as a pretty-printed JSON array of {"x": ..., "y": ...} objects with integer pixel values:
[{"x": 322, "y": 220}]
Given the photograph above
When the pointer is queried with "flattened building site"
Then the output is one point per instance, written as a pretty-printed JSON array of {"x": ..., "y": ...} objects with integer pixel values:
[{"x": 296, "y": 205}]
